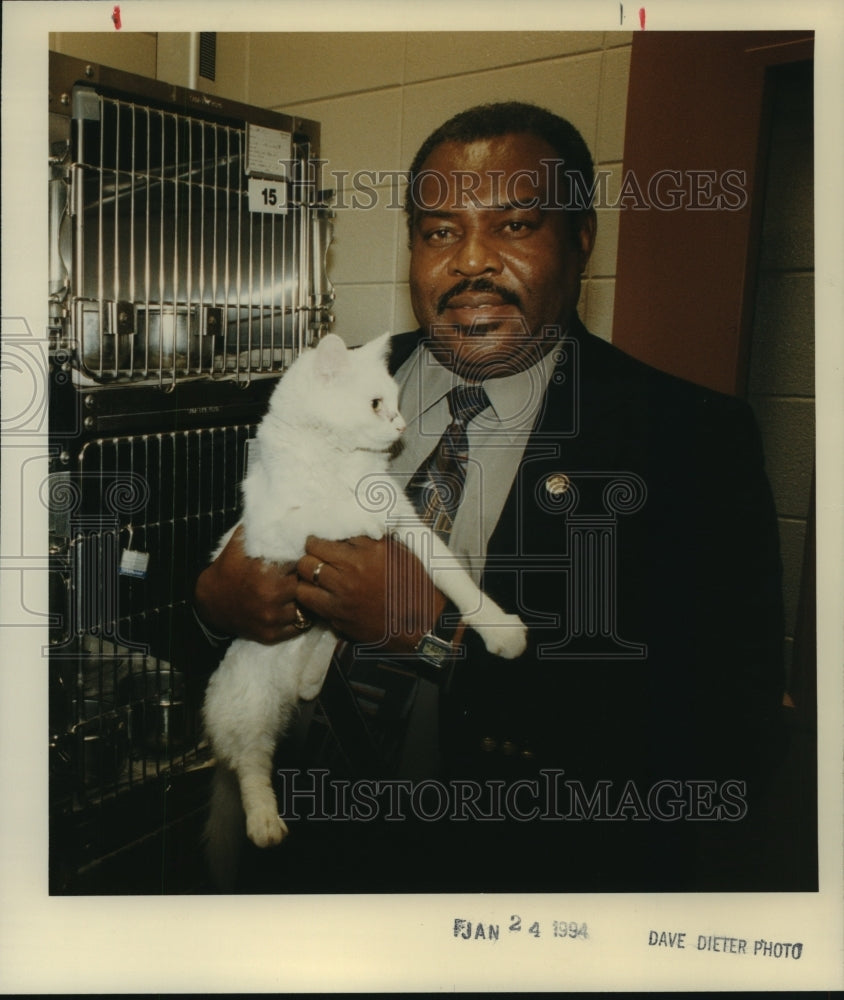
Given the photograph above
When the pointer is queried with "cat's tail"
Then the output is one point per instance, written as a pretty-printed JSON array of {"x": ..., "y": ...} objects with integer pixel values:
[{"x": 224, "y": 830}]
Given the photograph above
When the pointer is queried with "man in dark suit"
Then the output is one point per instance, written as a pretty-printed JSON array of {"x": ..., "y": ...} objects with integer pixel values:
[{"x": 623, "y": 513}]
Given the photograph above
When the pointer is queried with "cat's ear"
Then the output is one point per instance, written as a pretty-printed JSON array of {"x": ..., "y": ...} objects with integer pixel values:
[
  {"x": 332, "y": 356},
  {"x": 379, "y": 348}
]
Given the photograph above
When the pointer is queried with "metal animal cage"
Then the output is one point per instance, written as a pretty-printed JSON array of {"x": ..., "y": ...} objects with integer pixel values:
[
  {"x": 184, "y": 246},
  {"x": 187, "y": 271}
]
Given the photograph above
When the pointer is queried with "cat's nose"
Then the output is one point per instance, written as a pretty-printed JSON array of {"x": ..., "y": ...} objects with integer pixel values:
[{"x": 399, "y": 424}]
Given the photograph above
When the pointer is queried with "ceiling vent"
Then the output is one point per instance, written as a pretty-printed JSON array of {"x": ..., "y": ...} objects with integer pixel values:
[{"x": 208, "y": 55}]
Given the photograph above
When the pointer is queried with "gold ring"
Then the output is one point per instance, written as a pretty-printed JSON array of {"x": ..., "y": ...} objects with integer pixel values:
[
  {"x": 315, "y": 574},
  {"x": 300, "y": 622}
]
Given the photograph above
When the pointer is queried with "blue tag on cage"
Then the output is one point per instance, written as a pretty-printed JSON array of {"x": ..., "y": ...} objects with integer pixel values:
[{"x": 134, "y": 564}]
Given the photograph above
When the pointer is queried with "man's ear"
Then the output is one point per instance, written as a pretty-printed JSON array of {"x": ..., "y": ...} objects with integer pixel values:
[{"x": 585, "y": 236}]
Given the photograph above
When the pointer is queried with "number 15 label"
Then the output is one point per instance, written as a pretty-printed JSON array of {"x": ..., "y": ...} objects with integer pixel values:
[{"x": 267, "y": 196}]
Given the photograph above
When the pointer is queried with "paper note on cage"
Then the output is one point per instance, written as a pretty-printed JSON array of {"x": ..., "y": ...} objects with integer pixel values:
[{"x": 268, "y": 152}]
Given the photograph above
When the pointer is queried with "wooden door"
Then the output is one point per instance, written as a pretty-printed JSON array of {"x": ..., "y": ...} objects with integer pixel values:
[{"x": 686, "y": 276}]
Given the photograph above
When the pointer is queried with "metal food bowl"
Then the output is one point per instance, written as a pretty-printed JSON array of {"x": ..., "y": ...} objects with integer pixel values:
[
  {"x": 157, "y": 712},
  {"x": 100, "y": 735}
]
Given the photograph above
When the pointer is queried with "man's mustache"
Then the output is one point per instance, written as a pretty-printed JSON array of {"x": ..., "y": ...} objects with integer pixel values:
[{"x": 478, "y": 285}]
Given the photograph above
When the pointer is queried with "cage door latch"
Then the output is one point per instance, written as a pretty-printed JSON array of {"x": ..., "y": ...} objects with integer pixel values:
[{"x": 119, "y": 318}]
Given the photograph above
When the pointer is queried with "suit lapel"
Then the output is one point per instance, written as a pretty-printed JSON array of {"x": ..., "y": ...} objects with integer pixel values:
[{"x": 576, "y": 432}]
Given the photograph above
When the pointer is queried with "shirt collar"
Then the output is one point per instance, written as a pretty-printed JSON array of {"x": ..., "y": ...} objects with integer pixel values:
[{"x": 515, "y": 400}]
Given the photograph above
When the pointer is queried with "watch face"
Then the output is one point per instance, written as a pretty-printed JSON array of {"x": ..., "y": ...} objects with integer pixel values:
[{"x": 434, "y": 650}]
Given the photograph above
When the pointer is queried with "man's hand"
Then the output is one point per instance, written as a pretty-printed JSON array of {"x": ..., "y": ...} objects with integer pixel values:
[
  {"x": 372, "y": 591},
  {"x": 247, "y": 597}
]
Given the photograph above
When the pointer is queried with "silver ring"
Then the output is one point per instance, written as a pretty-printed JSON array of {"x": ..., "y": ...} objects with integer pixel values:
[
  {"x": 300, "y": 622},
  {"x": 315, "y": 574}
]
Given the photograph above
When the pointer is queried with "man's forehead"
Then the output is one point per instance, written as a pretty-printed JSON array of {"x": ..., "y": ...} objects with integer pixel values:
[
  {"x": 492, "y": 173},
  {"x": 490, "y": 149}
]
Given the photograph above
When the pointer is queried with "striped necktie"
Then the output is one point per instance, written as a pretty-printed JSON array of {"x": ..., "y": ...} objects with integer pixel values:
[
  {"x": 365, "y": 703},
  {"x": 436, "y": 488}
]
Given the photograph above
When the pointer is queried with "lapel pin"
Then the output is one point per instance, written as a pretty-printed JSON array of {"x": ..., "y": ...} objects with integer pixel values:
[{"x": 557, "y": 484}]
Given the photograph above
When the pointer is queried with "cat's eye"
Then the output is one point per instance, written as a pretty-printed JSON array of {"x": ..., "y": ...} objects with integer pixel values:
[{"x": 376, "y": 404}]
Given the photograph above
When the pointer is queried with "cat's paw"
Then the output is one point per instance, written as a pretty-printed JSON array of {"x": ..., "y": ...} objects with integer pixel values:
[
  {"x": 265, "y": 828},
  {"x": 503, "y": 635}
]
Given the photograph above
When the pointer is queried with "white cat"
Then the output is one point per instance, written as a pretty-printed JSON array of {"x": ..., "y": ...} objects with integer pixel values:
[{"x": 331, "y": 423}]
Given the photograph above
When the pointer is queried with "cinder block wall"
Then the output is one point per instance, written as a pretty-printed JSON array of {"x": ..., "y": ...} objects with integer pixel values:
[
  {"x": 782, "y": 368},
  {"x": 132, "y": 52}
]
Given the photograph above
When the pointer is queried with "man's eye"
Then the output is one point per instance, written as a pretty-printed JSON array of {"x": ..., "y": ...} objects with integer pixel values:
[
  {"x": 438, "y": 235},
  {"x": 517, "y": 227}
]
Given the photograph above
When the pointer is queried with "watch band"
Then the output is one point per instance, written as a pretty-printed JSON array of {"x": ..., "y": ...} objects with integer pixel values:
[
  {"x": 440, "y": 647},
  {"x": 448, "y": 623}
]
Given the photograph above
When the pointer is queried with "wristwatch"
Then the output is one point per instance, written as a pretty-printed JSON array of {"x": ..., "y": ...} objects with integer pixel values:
[{"x": 441, "y": 645}]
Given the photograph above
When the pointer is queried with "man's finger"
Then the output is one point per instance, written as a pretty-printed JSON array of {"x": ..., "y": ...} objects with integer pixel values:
[
  {"x": 336, "y": 553},
  {"x": 315, "y": 599},
  {"x": 318, "y": 572}
]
